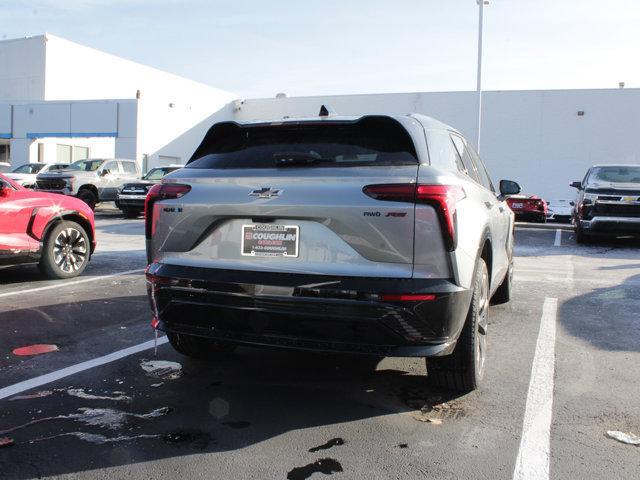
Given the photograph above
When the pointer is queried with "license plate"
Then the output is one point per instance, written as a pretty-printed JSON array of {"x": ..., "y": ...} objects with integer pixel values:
[
  {"x": 517, "y": 205},
  {"x": 270, "y": 240}
]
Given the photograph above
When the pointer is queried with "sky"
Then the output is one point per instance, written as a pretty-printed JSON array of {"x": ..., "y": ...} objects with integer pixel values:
[{"x": 257, "y": 48}]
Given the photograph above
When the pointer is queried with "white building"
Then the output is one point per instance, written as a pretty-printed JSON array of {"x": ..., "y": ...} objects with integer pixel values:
[{"x": 60, "y": 101}]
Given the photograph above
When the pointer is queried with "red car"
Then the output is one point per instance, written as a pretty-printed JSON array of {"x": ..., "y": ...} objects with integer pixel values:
[
  {"x": 528, "y": 208},
  {"x": 55, "y": 231}
]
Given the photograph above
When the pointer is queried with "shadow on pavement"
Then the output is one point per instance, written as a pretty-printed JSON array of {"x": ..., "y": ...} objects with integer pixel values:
[{"x": 607, "y": 318}]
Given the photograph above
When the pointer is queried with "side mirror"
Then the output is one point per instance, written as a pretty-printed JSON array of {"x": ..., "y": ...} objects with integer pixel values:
[
  {"x": 577, "y": 185},
  {"x": 105, "y": 172},
  {"x": 573, "y": 204},
  {"x": 509, "y": 187},
  {"x": 4, "y": 190}
]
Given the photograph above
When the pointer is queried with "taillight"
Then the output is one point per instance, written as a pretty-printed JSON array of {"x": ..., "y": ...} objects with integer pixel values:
[
  {"x": 395, "y": 192},
  {"x": 441, "y": 197},
  {"x": 161, "y": 191}
]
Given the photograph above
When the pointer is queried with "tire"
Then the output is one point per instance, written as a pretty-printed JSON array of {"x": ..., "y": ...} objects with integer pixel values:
[
  {"x": 503, "y": 293},
  {"x": 66, "y": 251},
  {"x": 88, "y": 197},
  {"x": 463, "y": 370},
  {"x": 131, "y": 212},
  {"x": 582, "y": 237},
  {"x": 198, "y": 347}
]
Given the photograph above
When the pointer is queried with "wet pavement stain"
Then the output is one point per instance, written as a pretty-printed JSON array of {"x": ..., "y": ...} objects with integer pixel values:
[
  {"x": 327, "y": 466},
  {"x": 237, "y": 424},
  {"x": 95, "y": 438},
  {"x": 190, "y": 438},
  {"x": 334, "y": 442},
  {"x": 99, "y": 417},
  {"x": 162, "y": 369},
  {"x": 30, "y": 396}
]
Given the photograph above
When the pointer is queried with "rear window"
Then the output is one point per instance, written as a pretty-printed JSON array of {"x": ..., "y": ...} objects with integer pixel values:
[{"x": 371, "y": 141}]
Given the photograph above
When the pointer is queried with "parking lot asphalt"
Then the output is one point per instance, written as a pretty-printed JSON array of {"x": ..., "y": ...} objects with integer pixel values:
[{"x": 571, "y": 332}]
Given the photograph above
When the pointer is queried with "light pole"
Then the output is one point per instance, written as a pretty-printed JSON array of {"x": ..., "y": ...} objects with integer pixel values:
[{"x": 481, "y": 4}]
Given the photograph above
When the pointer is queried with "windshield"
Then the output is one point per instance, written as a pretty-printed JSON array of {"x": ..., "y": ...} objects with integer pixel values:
[
  {"x": 86, "y": 165},
  {"x": 158, "y": 173},
  {"x": 29, "y": 168},
  {"x": 615, "y": 175},
  {"x": 372, "y": 141}
]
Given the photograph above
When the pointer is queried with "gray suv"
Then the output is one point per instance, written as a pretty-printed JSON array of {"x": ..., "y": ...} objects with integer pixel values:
[
  {"x": 92, "y": 180},
  {"x": 380, "y": 235}
]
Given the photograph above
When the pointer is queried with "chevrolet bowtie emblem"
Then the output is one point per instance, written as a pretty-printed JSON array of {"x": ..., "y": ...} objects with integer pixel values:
[{"x": 266, "y": 192}]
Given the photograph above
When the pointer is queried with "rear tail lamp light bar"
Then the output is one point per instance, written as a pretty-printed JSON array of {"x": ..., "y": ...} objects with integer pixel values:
[
  {"x": 443, "y": 198},
  {"x": 161, "y": 191}
]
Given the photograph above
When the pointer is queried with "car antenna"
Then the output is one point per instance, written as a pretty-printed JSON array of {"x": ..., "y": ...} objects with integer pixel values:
[{"x": 326, "y": 111}]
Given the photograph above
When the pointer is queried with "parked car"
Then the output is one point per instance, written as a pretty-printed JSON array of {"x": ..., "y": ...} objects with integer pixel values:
[
  {"x": 132, "y": 195},
  {"x": 5, "y": 167},
  {"x": 528, "y": 208},
  {"x": 608, "y": 202},
  {"x": 26, "y": 174},
  {"x": 55, "y": 232},
  {"x": 559, "y": 210},
  {"x": 377, "y": 234},
  {"x": 92, "y": 181}
]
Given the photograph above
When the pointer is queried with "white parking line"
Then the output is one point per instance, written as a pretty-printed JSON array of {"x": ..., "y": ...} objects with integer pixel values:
[
  {"x": 66, "y": 284},
  {"x": 533, "y": 455},
  {"x": 79, "y": 367},
  {"x": 558, "y": 240}
]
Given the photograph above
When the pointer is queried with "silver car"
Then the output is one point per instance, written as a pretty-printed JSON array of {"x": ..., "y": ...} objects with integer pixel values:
[{"x": 380, "y": 235}]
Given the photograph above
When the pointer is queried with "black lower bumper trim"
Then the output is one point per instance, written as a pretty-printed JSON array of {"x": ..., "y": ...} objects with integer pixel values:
[{"x": 308, "y": 311}]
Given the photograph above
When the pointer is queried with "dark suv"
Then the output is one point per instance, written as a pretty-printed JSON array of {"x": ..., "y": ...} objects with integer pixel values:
[{"x": 608, "y": 202}]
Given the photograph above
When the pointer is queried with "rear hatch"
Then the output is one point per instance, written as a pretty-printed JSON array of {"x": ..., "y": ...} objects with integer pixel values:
[{"x": 289, "y": 197}]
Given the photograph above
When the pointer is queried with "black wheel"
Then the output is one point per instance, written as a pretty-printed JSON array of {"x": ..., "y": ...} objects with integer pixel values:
[
  {"x": 88, "y": 197},
  {"x": 582, "y": 237},
  {"x": 463, "y": 370},
  {"x": 503, "y": 293},
  {"x": 66, "y": 251},
  {"x": 131, "y": 212},
  {"x": 198, "y": 347}
]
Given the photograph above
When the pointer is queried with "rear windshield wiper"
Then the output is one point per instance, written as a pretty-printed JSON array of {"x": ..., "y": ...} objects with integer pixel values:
[{"x": 298, "y": 159}]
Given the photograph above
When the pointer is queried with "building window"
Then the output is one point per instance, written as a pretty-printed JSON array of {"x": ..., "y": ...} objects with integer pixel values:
[
  {"x": 63, "y": 153},
  {"x": 4, "y": 153},
  {"x": 80, "y": 153}
]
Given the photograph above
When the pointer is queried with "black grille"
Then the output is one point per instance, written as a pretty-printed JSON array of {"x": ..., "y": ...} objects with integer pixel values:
[
  {"x": 613, "y": 210},
  {"x": 51, "y": 184},
  {"x": 613, "y": 191}
]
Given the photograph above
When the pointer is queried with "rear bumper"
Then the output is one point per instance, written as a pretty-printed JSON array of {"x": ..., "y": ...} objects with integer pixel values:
[
  {"x": 310, "y": 312},
  {"x": 612, "y": 225}
]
